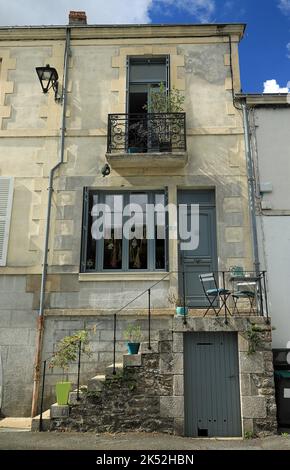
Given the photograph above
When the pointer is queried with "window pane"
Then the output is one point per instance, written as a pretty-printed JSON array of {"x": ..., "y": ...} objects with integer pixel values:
[
  {"x": 138, "y": 246},
  {"x": 112, "y": 253},
  {"x": 152, "y": 70},
  {"x": 91, "y": 257},
  {"x": 113, "y": 223},
  {"x": 160, "y": 232},
  {"x": 138, "y": 253}
]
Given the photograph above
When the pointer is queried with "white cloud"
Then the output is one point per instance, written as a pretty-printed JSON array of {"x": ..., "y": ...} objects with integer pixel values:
[
  {"x": 271, "y": 86},
  {"x": 37, "y": 12},
  {"x": 284, "y": 6},
  {"x": 202, "y": 10}
]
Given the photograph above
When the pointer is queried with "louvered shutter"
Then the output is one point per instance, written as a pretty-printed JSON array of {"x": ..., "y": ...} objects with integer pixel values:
[{"x": 6, "y": 196}]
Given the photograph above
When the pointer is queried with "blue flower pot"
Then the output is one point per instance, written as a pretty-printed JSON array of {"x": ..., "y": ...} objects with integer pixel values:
[
  {"x": 133, "y": 348},
  {"x": 181, "y": 311}
]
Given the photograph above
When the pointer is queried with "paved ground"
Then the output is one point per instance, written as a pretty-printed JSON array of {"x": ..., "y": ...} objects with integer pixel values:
[{"x": 11, "y": 439}]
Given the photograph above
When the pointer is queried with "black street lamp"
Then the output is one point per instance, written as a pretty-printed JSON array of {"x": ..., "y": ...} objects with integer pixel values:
[{"x": 48, "y": 78}]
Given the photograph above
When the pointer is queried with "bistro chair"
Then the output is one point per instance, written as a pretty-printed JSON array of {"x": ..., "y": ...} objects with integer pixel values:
[
  {"x": 245, "y": 289},
  {"x": 213, "y": 293}
]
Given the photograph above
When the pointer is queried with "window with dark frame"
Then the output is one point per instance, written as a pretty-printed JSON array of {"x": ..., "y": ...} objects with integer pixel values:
[{"x": 114, "y": 252}]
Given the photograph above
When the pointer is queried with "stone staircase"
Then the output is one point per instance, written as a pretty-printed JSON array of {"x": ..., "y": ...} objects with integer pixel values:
[{"x": 127, "y": 400}]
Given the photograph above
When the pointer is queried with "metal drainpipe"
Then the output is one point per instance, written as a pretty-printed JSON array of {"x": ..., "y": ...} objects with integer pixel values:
[
  {"x": 40, "y": 320},
  {"x": 252, "y": 196}
]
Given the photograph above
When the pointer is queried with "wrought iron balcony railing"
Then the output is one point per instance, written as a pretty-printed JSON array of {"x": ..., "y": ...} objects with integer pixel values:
[{"x": 146, "y": 133}]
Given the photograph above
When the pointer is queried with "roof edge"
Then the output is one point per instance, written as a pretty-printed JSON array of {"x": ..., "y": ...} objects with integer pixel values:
[
  {"x": 265, "y": 99},
  {"x": 122, "y": 31}
]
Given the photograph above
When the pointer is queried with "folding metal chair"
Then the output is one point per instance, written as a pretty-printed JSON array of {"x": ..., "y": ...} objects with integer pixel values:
[{"x": 215, "y": 293}]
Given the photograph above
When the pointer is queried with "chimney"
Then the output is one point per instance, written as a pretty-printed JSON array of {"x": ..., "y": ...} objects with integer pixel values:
[{"x": 77, "y": 18}]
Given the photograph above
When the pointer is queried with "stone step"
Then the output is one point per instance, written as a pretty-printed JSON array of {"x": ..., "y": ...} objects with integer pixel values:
[
  {"x": 95, "y": 384},
  {"x": 144, "y": 347},
  {"x": 73, "y": 397},
  {"x": 132, "y": 360},
  {"x": 118, "y": 366},
  {"x": 45, "y": 422}
]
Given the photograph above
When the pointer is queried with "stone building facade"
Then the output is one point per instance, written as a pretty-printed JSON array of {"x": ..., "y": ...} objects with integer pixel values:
[{"x": 202, "y": 63}]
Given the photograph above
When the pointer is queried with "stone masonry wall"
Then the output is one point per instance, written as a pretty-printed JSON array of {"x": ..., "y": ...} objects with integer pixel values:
[
  {"x": 17, "y": 345},
  {"x": 128, "y": 402},
  {"x": 100, "y": 329},
  {"x": 150, "y": 394}
]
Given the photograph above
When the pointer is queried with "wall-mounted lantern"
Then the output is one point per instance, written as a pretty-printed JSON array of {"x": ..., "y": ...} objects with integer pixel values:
[{"x": 48, "y": 78}]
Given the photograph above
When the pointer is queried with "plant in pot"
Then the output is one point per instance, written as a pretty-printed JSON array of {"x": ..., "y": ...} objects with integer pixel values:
[
  {"x": 66, "y": 353},
  {"x": 163, "y": 102},
  {"x": 178, "y": 302},
  {"x": 133, "y": 336}
]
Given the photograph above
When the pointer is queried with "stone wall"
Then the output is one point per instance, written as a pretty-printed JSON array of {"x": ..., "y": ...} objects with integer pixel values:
[
  {"x": 100, "y": 329},
  {"x": 149, "y": 396},
  {"x": 128, "y": 402},
  {"x": 17, "y": 345}
]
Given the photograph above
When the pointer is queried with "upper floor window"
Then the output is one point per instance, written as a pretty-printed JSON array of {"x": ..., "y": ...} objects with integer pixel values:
[
  {"x": 124, "y": 231},
  {"x": 144, "y": 77}
]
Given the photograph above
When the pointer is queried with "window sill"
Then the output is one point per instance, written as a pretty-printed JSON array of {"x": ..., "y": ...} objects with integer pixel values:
[{"x": 106, "y": 277}]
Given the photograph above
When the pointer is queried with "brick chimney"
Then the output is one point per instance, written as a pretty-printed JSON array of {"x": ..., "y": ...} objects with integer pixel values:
[{"x": 77, "y": 17}]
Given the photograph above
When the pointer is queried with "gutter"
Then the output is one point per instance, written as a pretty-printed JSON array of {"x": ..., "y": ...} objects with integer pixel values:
[
  {"x": 40, "y": 320},
  {"x": 251, "y": 181}
]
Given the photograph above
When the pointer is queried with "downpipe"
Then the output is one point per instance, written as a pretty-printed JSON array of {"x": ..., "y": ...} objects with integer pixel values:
[
  {"x": 40, "y": 320},
  {"x": 252, "y": 194}
]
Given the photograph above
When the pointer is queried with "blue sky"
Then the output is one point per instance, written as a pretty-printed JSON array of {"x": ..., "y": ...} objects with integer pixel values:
[{"x": 263, "y": 52}]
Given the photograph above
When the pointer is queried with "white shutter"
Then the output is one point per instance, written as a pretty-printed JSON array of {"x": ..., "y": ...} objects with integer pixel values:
[{"x": 6, "y": 196}]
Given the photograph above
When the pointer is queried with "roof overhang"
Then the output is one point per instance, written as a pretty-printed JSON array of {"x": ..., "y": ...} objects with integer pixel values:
[
  {"x": 265, "y": 99},
  {"x": 235, "y": 30}
]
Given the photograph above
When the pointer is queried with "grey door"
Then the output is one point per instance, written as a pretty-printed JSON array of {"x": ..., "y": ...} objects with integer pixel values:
[
  {"x": 204, "y": 258},
  {"x": 211, "y": 385}
]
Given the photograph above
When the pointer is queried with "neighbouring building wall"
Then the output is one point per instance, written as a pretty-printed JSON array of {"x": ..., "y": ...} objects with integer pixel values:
[{"x": 272, "y": 161}]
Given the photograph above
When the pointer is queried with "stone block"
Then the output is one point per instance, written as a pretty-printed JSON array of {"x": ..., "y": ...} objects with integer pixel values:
[
  {"x": 178, "y": 385},
  {"x": 5, "y": 318},
  {"x": 165, "y": 335},
  {"x": 252, "y": 364},
  {"x": 166, "y": 363},
  {"x": 14, "y": 336},
  {"x": 132, "y": 360},
  {"x": 177, "y": 364},
  {"x": 165, "y": 346},
  {"x": 254, "y": 407},
  {"x": 59, "y": 411},
  {"x": 178, "y": 426},
  {"x": 144, "y": 347},
  {"x": 172, "y": 407},
  {"x": 178, "y": 342},
  {"x": 234, "y": 234},
  {"x": 248, "y": 426}
]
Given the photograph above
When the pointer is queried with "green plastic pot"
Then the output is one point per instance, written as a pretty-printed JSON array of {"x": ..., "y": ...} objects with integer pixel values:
[{"x": 62, "y": 392}]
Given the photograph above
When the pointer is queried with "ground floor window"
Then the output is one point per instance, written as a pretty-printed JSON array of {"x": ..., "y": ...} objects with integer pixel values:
[{"x": 124, "y": 231}]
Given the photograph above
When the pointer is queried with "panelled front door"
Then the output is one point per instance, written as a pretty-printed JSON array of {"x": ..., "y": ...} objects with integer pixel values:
[
  {"x": 211, "y": 385},
  {"x": 204, "y": 258}
]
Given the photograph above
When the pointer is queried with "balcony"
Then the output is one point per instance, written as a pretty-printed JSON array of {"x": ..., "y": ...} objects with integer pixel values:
[{"x": 138, "y": 140}]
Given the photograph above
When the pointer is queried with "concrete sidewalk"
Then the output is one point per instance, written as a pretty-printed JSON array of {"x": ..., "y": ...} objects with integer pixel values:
[{"x": 12, "y": 440}]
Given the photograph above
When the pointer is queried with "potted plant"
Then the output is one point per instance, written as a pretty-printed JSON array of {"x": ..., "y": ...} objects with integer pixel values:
[
  {"x": 179, "y": 304},
  {"x": 66, "y": 353},
  {"x": 163, "y": 102},
  {"x": 133, "y": 336}
]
